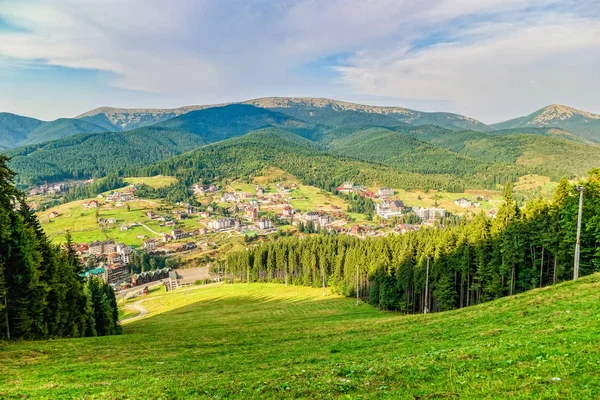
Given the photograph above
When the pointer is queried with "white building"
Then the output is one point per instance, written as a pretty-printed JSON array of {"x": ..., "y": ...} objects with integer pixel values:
[
  {"x": 263, "y": 224},
  {"x": 463, "y": 202},
  {"x": 429, "y": 213}
]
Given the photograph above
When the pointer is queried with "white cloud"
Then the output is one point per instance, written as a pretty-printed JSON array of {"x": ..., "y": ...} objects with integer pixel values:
[
  {"x": 209, "y": 50},
  {"x": 484, "y": 71}
]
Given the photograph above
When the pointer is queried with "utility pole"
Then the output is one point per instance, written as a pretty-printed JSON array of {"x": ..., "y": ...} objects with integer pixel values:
[
  {"x": 426, "y": 308},
  {"x": 580, "y": 189},
  {"x": 357, "y": 285}
]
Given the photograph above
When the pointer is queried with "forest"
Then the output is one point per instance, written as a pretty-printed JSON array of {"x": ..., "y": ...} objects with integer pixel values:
[
  {"x": 42, "y": 294},
  {"x": 470, "y": 261}
]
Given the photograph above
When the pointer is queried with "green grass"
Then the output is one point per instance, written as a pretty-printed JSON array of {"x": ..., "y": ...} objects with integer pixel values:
[
  {"x": 272, "y": 341},
  {"x": 156, "y": 182}
]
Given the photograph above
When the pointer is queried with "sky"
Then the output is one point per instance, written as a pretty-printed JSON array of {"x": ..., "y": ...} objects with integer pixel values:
[{"x": 491, "y": 60}]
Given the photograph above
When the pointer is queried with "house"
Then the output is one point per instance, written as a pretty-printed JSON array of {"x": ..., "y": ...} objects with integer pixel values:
[
  {"x": 170, "y": 223},
  {"x": 149, "y": 244},
  {"x": 123, "y": 227},
  {"x": 125, "y": 252},
  {"x": 99, "y": 248},
  {"x": 178, "y": 234},
  {"x": 389, "y": 209},
  {"x": 385, "y": 192},
  {"x": 463, "y": 202},
  {"x": 113, "y": 258},
  {"x": 427, "y": 214},
  {"x": 263, "y": 224},
  {"x": 91, "y": 204},
  {"x": 493, "y": 213},
  {"x": 287, "y": 211},
  {"x": 150, "y": 214},
  {"x": 53, "y": 214},
  {"x": 204, "y": 214},
  {"x": 252, "y": 213},
  {"x": 259, "y": 190},
  {"x": 356, "y": 229},
  {"x": 228, "y": 198},
  {"x": 324, "y": 220},
  {"x": 167, "y": 238},
  {"x": 347, "y": 187},
  {"x": 111, "y": 221},
  {"x": 311, "y": 216},
  {"x": 221, "y": 223},
  {"x": 181, "y": 215}
]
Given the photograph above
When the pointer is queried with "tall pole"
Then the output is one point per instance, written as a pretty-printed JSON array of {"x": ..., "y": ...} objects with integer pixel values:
[
  {"x": 357, "y": 285},
  {"x": 580, "y": 189},
  {"x": 426, "y": 308}
]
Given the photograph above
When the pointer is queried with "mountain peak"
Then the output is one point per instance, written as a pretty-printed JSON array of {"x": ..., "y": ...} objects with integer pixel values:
[{"x": 557, "y": 112}]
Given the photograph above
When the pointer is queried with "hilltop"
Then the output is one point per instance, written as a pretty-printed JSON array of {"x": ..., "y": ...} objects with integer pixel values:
[
  {"x": 581, "y": 123},
  {"x": 276, "y": 341}
]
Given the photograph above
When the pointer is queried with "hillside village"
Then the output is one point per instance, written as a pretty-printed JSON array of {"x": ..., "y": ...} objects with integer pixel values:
[{"x": 120, "y": 226}]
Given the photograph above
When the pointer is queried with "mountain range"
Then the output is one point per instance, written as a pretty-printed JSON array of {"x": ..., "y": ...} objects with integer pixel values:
[
  {"x": 426, "y": 149},
  {"x": 17, "y": 130}
]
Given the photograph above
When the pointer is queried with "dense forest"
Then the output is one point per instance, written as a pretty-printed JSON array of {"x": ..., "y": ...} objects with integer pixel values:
[
  {"x": 42, "y": 294},
  {"x": 469, "y": 262}
]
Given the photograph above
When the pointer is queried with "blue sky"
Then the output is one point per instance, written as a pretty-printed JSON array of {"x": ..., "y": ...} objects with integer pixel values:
[{"x": 491, "y": 60}]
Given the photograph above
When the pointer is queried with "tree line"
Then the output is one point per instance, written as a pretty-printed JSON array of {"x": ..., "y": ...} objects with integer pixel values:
[
  {"x": 42, "y": 293},
  {"x": 469, "y": 262}
]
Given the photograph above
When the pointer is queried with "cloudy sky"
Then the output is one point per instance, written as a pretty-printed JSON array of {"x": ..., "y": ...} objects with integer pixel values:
[{"x": 491, "y": 59}]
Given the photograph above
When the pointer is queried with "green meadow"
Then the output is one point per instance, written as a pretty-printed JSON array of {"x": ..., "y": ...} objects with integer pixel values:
[{"x": 268, "y": 341}]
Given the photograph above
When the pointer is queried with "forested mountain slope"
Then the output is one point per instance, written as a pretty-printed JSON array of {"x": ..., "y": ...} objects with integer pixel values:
[{"x": 14, "y": 128}]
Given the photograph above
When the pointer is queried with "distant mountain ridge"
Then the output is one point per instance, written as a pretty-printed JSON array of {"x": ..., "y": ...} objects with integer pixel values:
[
  {"x": 318, "y": 113},
  {"x": 581, "y": 123}
]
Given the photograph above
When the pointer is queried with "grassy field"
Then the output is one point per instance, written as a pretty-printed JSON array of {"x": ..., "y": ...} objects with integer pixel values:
[
  {"x": 272, "y": 341},
  {"x": 156, "y": 182}
]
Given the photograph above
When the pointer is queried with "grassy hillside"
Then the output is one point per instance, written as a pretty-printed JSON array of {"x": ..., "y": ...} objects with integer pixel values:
[{"x": 272, "y": 341}]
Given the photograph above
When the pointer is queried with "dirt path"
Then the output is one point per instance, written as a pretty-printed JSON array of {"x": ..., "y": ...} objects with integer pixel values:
[{"x": 139, "y": 308}]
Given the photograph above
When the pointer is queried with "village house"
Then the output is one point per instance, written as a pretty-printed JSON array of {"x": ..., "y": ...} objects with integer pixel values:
[
  {"x": 463, "y": 202},
  {"x": 324, "y": 220},
  {"x": 389, "y": 209},
  {"x": 252, "y": 213},
  {"x": 149, "y": 244},
  {"x": 221, "y": 224},
  {"x": 287, "y": 211},
  {"x": 100, "y": 248},
  {"x": 229, "y": 197},
  {"x": 311, "y": 216},
  {"x": 259, "y": 190},
  {"x": 263, "y": 224},
  {"x": 150, "y": 214},
  {"x": 347, "y": 187},
  {"x": 113, "y": 258},
  {"x": 166, "y": 238},
  {"x": 111, "y": 221},
  {"x": 385, "y": 192},
  {"x": 179, "y": 234},
  {"x": 204, "y": 214},
  {"x": 427, "y": 214},
  {"x": 91, "y": 204},
  {"x": 123, "y": 227},
  {"x": 53, "y": 214},
  {"x": 125, "y": 252}
]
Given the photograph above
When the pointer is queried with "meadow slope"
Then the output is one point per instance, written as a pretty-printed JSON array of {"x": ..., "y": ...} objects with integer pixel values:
[{"x": 275, "y": 341}]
